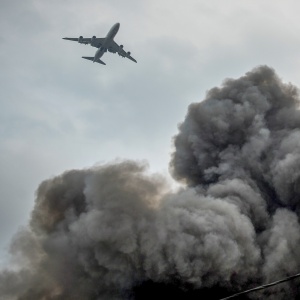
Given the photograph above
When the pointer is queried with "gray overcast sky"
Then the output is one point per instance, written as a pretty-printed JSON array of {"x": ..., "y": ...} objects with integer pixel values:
[{"x": 61, "y": 112}]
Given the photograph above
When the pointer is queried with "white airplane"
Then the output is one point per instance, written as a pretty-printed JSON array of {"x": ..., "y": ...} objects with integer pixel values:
[{"x": 103, "y": 44}]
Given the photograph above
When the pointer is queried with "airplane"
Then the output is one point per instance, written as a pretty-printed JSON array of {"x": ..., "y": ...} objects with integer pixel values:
[{"x": 103, "y": 44}]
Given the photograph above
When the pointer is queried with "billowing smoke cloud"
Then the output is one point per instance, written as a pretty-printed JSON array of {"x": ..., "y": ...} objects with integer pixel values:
[{"x": 116, "y": 232}]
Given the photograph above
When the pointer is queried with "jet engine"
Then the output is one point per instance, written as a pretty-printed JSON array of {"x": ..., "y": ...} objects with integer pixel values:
[
  {"x": 128, "y": 54},
  {"x": 121, "y": 46},
  {"x": 80, "y": 39},
  {"x": 93, "y": 39}
]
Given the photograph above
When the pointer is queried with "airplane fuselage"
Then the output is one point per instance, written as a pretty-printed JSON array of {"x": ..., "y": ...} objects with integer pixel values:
[
  {"x": 103, "y": 44},
  {"x": 113, "y": 31},
  {"x": 109, "y": 37}
]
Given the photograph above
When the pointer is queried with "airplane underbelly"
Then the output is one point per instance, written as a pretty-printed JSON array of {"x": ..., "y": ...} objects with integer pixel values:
[{"x": 99, "y": 53}]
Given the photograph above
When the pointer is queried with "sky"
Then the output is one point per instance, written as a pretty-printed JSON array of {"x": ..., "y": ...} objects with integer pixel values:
[{"x": 61, "y": 112}]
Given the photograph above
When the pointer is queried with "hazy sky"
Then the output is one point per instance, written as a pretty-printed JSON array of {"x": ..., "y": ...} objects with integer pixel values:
[{"x": 59, "y": 111}]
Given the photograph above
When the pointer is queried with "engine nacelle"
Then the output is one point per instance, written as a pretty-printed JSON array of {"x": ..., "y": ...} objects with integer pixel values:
[
  {"x": 128, "y": 54},
  {"x": 121, "y": 46},
  {"x": 80, "y": 39},
  {"x": 93, "y": 39}
]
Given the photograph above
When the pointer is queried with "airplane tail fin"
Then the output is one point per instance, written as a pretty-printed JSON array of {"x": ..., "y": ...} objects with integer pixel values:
[{"x": 92, "y": 59}]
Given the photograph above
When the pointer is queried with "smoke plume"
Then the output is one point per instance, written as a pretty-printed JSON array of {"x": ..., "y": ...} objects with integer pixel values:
[{"x": 116, "y": 232}]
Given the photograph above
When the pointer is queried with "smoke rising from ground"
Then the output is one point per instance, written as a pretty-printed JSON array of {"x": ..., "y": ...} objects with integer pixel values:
[{"x": 116, "y": 232}]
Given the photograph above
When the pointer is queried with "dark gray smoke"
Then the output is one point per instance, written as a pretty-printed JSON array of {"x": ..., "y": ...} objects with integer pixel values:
[{"x": 116, "y": 232}]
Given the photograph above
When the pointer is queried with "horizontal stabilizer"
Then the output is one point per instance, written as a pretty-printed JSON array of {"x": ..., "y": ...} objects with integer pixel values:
[{"x": 92, "y": 59}]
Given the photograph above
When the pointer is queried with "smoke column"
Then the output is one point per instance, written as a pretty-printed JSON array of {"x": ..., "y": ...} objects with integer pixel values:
[{"x": 116, "y": 232}]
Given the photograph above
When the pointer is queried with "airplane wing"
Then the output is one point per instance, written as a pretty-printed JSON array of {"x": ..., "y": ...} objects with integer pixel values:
[
  {"x": 79, "y": 40},
  {"x": 95, "y": 42},
  {"x": 115, "y": 48}
]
